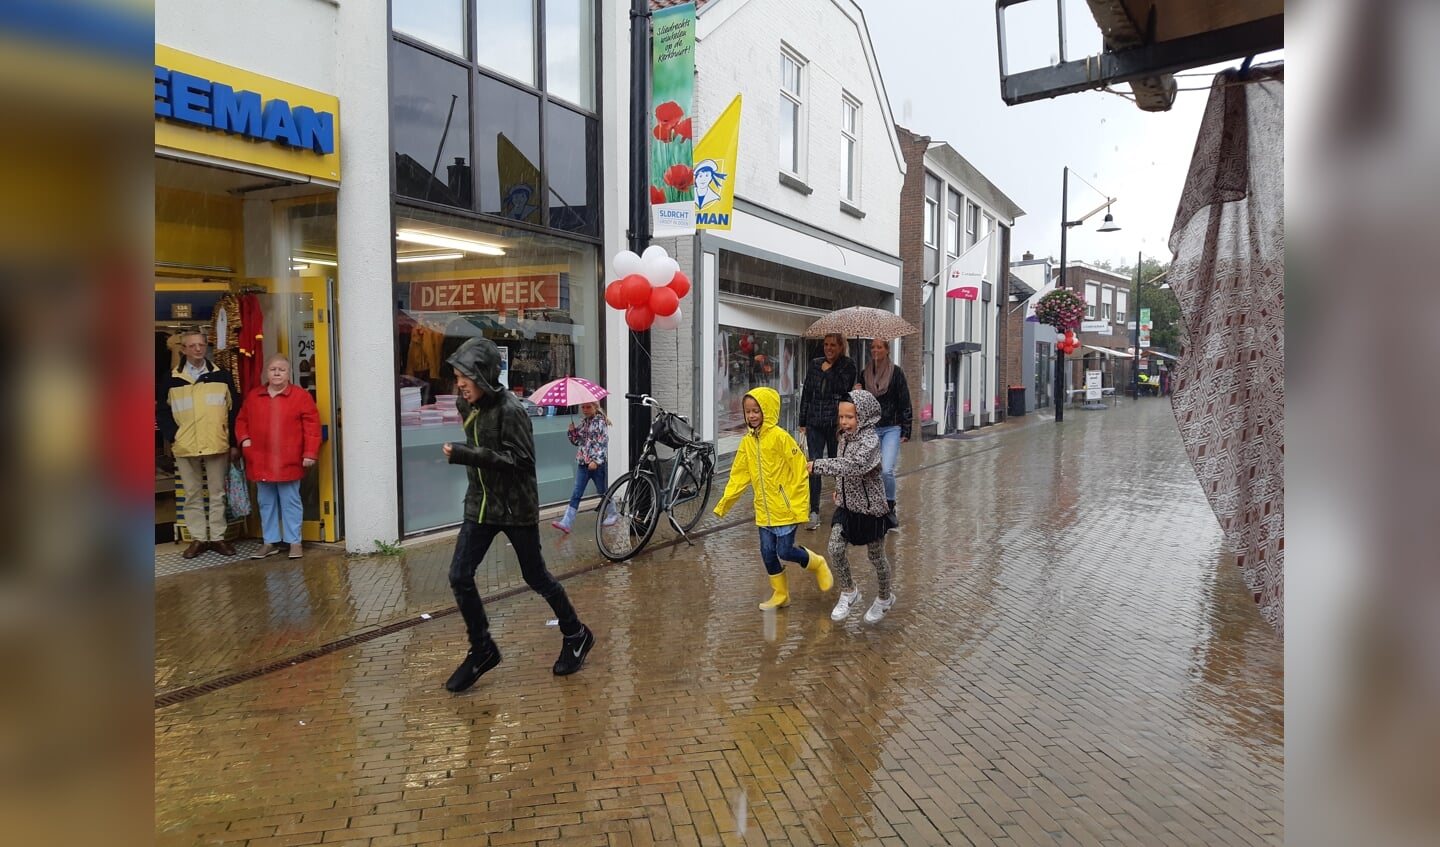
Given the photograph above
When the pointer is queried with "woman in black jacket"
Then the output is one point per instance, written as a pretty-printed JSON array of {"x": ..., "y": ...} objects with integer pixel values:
[
  {"x": 829, "y": 380},
  {"x": 883, "y": 378}
]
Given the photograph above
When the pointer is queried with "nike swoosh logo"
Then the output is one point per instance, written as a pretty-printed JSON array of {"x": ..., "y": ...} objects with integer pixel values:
[{"x": 576, "y": 652}]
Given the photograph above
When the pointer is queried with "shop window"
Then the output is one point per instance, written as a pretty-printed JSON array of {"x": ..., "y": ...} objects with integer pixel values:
[
  {"x": 570, "y": 51},
  {"x": 437, "y": 22},
  {"x": 534, "y": 295},
  {"x": 571, "y": 146},
  {"x": 505, "y": 38},
  {"x": 430, "y": 117},
  {"x": 507, "y": 150},
  {"x": 746, "y": 359}
]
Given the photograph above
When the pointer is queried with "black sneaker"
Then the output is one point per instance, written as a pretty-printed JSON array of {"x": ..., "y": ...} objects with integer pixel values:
[
  {"x": 573, "y": 651},
  {"x": 476, "y": 663}
]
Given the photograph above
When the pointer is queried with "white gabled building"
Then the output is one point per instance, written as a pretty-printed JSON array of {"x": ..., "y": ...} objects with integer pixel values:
[{"x": 817, "y": 190}]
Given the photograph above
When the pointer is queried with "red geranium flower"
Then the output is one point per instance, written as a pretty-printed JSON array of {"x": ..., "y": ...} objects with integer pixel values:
[
  {"x": 679, "y": 177},
  {"x": 669, "y": 112},
  {"x": 656, "y": 195},
  {"x": 683, "y": 129}
]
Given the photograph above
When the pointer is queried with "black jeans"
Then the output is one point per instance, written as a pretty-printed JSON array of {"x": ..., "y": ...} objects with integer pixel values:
[
  {"x": 470, "y": 549},
  {"x": 820, "y": 442}
]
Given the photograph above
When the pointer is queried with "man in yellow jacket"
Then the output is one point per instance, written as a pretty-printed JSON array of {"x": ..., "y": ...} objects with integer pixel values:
[
  {"x": 771, "y": 464},
  {"x": 197, "y": 418}
]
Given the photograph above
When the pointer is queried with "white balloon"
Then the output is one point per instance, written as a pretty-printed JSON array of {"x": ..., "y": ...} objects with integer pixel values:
[
  {"x": 652, "y": 251},
  {"x": 667, "y": 321},
  {"x": 624, "y": 264},
  {"x": 659, "y": 270}
]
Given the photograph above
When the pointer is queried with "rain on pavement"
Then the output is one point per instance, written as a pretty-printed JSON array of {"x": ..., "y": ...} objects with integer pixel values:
[{"x": 1072, "y": 659}]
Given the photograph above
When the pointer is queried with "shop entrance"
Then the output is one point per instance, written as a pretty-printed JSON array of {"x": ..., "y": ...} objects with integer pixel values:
[{"x": 298, "y": 314}]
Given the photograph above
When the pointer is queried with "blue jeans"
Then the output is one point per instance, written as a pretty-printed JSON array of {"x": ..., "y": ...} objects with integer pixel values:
[
  {"x": 280, "y": 504},
  {"x": 889, "y": 455},
  {"x": 778, "y": 542},
  {"x": 820, "y": 442},
  {"x": 583, "y": 475}
]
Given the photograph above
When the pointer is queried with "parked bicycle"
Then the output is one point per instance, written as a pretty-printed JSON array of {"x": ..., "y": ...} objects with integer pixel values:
[{"x": 679, "y": 486}]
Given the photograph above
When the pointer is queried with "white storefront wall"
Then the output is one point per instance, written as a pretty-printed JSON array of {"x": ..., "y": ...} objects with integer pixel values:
[
  {"x": 978, "y": 383},
  {"x": 739, "y": 50}
]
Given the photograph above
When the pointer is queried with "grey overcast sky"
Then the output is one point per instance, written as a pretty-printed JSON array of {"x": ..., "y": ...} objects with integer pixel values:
[{"x": 938, "y": 61}]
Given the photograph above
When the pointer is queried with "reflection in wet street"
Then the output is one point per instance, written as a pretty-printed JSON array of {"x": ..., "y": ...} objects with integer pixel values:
[{"x": 1072, "y": 659}]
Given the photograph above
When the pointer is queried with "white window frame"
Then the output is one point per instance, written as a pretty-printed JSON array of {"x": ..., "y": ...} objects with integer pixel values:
[
  {"x": 1107, "y": 303},
  {"x": 1122, "y": 306},
  {"x": 972, "y": 224},
  {"x": 953, "y": 204},
  {"x": 850, "y": 149},
  {"x": 796, "y": 98},
  {"x": 932, "y": 220},
  {"x": 1092, "y": 300}
]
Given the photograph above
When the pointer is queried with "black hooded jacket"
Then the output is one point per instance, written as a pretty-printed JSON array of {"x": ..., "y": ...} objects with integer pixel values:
[{"x": 499, "y": 448}]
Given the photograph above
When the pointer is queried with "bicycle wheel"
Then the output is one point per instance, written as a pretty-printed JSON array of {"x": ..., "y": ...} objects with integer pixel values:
[
  {"x": 629, "y": 512},
  {"x": 691, "y": 492}
]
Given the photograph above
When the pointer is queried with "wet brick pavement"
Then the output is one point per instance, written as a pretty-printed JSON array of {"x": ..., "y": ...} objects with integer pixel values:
[{"x": 1086, "y": 669}]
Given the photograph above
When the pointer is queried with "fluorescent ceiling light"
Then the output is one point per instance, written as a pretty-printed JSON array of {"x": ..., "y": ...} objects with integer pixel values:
[
  {"x": 428, "y": 257},
  {"x": 308, "y": 260},
  {"x": 412, "y": 236}
]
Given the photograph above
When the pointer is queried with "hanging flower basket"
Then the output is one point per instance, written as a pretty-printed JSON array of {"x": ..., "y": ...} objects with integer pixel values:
[{"x": 1062, "y": 308}]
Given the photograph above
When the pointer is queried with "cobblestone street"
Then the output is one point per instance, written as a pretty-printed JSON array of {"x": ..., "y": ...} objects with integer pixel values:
[{"x": 1072, "y": 659}]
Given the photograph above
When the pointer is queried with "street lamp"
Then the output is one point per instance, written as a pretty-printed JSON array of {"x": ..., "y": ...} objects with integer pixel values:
[{"x": 1108, "y": 225}]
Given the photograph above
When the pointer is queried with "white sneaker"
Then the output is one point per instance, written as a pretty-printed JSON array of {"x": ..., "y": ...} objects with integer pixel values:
[
  {"x": 879, "y": 608},
  {"x": 814, "y": 521},
  {"x": 842, "y": 608}
]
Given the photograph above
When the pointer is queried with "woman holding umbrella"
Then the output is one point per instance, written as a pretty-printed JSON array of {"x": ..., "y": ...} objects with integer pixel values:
[
  {"x": 829, "y": 379},
  {"x": 884, "y": 379}
]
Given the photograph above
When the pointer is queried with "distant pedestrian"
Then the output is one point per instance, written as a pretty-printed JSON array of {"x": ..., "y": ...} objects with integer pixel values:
[
  {"x": 827, "y": 380},
  {"x": 592, "y": 440},
  {"x": 197, "y": 420},
  {"x": 861, "y": 513},
  {"x": 503, "y": 496},
  {"x": 279, "y": 431},
  {"x": 886, "y": 381},
  {"x": 770, "y": 463}
]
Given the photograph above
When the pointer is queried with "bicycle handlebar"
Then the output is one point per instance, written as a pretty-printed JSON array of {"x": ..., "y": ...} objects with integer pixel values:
[{"x": 643, "y": 399}]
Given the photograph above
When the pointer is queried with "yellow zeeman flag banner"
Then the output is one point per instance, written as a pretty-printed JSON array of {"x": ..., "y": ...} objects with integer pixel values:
[{"x": 715, "y": 156}]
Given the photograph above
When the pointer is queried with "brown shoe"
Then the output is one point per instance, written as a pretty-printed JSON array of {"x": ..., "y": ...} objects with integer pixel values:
[
  {"x": 297, "y": 551},
  {"x": 224, "y": 548},
  {"x": 266, "y": 552},
  {"x": 195, "y": 549}
]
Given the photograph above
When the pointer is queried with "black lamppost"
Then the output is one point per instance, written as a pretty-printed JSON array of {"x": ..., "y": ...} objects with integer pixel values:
[{"x": 1108, "y": 225}]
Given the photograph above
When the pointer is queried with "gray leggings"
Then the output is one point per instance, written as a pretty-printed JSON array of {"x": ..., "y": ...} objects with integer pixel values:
[{"x": 841, "y": 566}]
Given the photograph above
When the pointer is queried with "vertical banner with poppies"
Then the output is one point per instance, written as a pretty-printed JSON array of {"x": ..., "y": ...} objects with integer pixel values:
[{"x": 672, "y": 178}]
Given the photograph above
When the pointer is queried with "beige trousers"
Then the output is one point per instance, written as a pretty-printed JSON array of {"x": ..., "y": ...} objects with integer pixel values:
[{"x": 213, "y": 467}]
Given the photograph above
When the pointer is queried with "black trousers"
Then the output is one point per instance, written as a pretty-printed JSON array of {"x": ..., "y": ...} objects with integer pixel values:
[
  {"x": 470, "y": 549},
  {"x": 820, "y": 442}
]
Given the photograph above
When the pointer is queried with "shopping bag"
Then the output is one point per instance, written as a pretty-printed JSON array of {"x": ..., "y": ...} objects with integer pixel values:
[{"x": 237, "y": 492}]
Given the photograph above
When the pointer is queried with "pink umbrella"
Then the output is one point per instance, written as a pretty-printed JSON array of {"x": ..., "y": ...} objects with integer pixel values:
[{"x": 568, "y": 391}]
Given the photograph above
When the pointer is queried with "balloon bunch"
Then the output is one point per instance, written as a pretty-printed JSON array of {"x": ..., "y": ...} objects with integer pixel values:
[
  {"x": 648, "y": 290},
  {"x": 1069, "y": 343}
]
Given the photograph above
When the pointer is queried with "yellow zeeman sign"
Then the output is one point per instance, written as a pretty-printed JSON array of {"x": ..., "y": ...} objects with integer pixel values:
[{"x": 216, "y": 110}]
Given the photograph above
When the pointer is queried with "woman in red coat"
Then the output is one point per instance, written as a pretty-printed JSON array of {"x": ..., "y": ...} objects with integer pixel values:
[{"x": 279, "y": 430}]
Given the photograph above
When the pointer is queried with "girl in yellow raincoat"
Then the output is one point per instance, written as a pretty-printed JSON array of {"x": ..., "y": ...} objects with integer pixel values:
[{"x": 771, "y": 464}]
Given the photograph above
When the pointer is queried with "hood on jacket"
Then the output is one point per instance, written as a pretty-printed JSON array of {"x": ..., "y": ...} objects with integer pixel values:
[
  {"x": 867, "y": 408},
  {"x": 769, "y": 400},
  {"x": 479, "y": 360}
]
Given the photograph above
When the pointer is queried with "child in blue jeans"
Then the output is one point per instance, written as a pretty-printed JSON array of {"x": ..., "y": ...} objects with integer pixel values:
[
  {"x": 772, "y": 464},
  {"x": 592, "y": 440}
]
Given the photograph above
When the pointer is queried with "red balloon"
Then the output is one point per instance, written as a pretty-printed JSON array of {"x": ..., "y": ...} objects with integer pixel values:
[
  {"x": 615, "y": 295},
  {"x": 639, "y": 318},
  {"x": 663, "y": 301},
  {"x": 636, "y": 289},
  {"x": 680, "y": 284}
]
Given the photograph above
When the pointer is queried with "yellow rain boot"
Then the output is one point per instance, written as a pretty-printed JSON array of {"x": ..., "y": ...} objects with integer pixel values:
[
  {"x": 781, "y": 597},
  {"x": 821, "y": 568}
]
